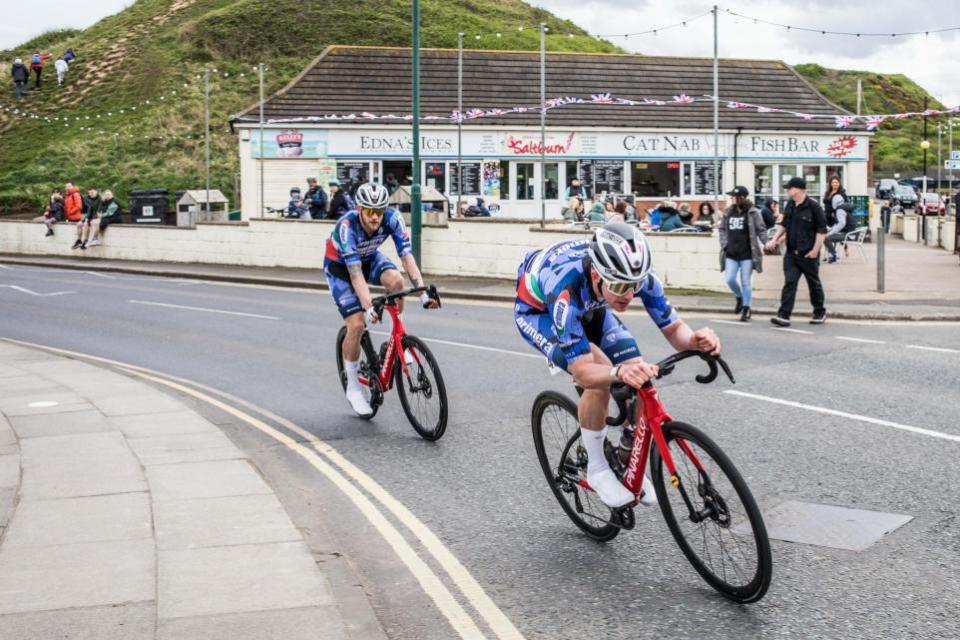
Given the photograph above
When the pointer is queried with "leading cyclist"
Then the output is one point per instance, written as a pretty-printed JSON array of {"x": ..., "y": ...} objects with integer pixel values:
[
  {"x": 564, "y": 295},
  {"x": 353, "y": 259}
]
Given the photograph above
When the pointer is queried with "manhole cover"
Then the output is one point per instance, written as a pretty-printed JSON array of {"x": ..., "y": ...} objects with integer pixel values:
[{"x": 828, "y": 526}]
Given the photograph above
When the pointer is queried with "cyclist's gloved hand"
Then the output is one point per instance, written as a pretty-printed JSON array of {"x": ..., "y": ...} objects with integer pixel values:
[
  {"x": 427, "y": 301},
  {"x": 370, "y": 315}
]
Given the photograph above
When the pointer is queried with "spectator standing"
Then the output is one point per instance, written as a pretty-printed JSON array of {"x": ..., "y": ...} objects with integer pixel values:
[
  {"x": 36, "y": 65},
  {"x": 94, "y": 203},
  {"x": 391, "y": 183},
  {"x": 742, "y": 236},
  {"x": 839, "y": 214},
  {"x": 769, "y": 219},
  {"x": 340, "y": 202},
  {"x": 804, "y": 229},
  {"x": 316, "y": 199},
  {"x": 110, "y": 213},
  {"x": 61, "y": 66},
  {"x": 21, "y": 77},
  {"x": 73, "y": 203}
]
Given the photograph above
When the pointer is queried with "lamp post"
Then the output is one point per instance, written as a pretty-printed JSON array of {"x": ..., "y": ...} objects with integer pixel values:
[
  {"x": 925, "y": 145},
  {"x": 416, "y": 208}
]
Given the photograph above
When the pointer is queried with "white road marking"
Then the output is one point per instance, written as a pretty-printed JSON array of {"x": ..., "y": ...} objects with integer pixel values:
[
  {"x": 204, "y": 309},
  {"x": 471, "y": 589},
  {"x": 809, "y": 333},
  {"x": 735, "y": 323},
  {"x": 538, "y": 356},
  {"x": 864, "y": 340},
  {"x": 844, "y": 414},
  {"x": 101, "y": 275},
  {"x": 3, "y": 266},
  {"x": 34, "y": 293},
  {"x": 937, "y": 349}
]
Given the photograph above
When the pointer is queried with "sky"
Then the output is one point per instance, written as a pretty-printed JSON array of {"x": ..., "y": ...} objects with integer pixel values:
[{"x": 928, "y": 60}]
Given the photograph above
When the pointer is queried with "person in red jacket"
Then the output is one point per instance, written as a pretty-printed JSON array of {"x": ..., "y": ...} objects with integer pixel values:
[
  {"x": 36, "y": 64},
  {"x": 73, "y": 204}
]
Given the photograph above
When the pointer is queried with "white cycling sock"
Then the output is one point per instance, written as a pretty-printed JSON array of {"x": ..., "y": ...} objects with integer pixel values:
[
  {"x": 352, "y": 370},
  {"x": 593, "y": 443}
]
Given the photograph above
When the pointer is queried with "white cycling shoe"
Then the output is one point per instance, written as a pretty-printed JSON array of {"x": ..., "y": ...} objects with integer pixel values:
[
  {"x": 358, "y": 402},
  {"x": 609, "y": 489},
  {"x": 648, "y": 497}
]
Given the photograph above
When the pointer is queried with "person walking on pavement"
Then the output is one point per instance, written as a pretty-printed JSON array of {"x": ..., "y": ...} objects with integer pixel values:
[
  {"x": 36, "y": 65},
  {"x": 804, "y": 229},
  {"x": 61, "y": 66},
  {"x": 21, "y": 77},
  {"x": 742, "y": 235}
]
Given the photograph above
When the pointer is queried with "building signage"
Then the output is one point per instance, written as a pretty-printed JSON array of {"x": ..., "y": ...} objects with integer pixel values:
[{"x": 369, "y": 142}]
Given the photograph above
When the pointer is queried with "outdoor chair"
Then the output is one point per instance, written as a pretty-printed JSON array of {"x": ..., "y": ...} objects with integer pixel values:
[{"x": 855, "y": 238}]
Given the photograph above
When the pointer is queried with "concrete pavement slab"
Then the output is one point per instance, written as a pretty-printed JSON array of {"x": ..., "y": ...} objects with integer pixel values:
[
  {"x": 7, "y": 496},
  {"x": 161, "y": 424},
  {"x": 79, "y": 465},
  {"x": 184, "y": 447},
  {"x": 61, "y": 424},
  {"x": 238, "y": 579},
  {"x": 76, "y": 575},
  {"x": 13, "y": 387},
  {"x": 7, "y": 371},
  {"x": 9, "y": 470},
  {"x": 27, "y": 404},
  {"x": 231, "y": 520},
  {"x": 117, "y": 622},
  {"x": 313, "y": 623},
  {"x": 205, "y": 480},
  {"x": 143, "y": 401},
  {"x": 7, "y": 437},
  {"x": 38, "y": 523}
]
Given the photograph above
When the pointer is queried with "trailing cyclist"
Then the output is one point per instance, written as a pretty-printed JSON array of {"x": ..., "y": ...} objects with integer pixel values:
[
  {"x": 352, "y": 260},
  {"x": 564, "y": 296}
]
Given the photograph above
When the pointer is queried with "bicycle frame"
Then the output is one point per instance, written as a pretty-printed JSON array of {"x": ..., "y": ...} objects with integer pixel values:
[{"x": 391, "y": 356}]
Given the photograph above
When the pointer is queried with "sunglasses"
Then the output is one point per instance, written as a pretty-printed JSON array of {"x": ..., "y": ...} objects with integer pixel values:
[
  {"x": 621, "y": 288},
  {"x": 372, "y": 212}
]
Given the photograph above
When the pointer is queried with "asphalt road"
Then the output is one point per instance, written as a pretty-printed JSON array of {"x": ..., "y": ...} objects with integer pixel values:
[{"x": 480, "y": 489}]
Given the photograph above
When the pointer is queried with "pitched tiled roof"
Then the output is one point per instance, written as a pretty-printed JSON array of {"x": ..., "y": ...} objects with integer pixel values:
[{"x": 347, "y": 79}]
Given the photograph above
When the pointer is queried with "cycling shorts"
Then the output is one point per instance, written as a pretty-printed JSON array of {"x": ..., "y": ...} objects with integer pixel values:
[
  {"x": 601, "y": 327},
  {"x": 341, "y": 289}
]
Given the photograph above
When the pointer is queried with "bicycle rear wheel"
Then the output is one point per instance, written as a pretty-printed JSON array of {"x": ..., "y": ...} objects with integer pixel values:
[
  {"x": 369, "y": 365},
  {"x": 556, "y": 436},
  {"x": 422, "y": 392},
  {"x": 729, "y": 547}
]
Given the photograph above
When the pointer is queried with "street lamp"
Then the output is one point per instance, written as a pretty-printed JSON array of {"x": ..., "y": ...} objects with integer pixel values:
[{"x": 925, "y": 144}]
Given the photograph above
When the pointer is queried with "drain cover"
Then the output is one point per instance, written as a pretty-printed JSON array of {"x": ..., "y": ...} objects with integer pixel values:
[{"x": 829, "y": 526}]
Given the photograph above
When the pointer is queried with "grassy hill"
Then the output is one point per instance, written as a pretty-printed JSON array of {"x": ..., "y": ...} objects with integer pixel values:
[
  {"x": 156, "y": 47},
  {"x": 897, "y": 147}
]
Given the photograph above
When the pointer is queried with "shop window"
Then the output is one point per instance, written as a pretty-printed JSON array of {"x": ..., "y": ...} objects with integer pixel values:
[
  {"x": 435, "y": 176},
  {"x": 655, "y": 179},
  {"x": 811, "y": 173},
  {"x": 525, "y": 181},
  {"x": 572, "y": 172},
  {"x": 763, "y": 180},
  {"x": 787, "y": 173},
  {"x": 551, "y": 180}
]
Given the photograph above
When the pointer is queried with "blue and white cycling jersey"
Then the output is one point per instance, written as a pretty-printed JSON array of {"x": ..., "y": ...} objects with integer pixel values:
[
  {"x": 350, "y": 244},
  {"x": 558, "y": 313}
]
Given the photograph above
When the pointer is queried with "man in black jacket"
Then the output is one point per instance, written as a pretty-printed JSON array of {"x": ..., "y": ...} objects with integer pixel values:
[
  {"x": 316, "y": 199},
  {"x": 804, "y": 229},
  {"x": 340, "y": 202}
]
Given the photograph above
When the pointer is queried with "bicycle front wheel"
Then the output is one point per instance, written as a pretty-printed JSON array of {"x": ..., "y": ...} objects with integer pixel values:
[
  {"x": 723, "y": 536},
  {"x": 422, "y": 392}
]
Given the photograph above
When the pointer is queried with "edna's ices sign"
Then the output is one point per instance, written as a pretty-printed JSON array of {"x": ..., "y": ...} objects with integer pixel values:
[{"x": 404, "y": 143}]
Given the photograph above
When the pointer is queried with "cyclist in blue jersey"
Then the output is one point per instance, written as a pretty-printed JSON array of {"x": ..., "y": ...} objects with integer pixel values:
[
  {"x": 352, "y": 260},
  {"x": 564, "y": 296}
]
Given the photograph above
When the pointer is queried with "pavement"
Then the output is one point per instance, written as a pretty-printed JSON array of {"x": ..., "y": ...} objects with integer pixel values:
[
  {"x": 852, "y": 415},
  {"x": 921, "y": 283},
  {"x": 124, "y": 513}
]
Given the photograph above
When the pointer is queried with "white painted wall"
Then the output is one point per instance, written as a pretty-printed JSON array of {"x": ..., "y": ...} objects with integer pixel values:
[{"x": 491, "y": 249}]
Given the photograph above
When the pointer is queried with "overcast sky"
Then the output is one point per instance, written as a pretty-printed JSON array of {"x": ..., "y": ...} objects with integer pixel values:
[{"x": 931, "y": 60}]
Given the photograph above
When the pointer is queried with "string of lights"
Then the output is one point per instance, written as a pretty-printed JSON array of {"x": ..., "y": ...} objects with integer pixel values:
[{"x": 828, "y": 32}]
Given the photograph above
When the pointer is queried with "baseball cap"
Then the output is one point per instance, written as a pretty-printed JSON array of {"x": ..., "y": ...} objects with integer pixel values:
[
  {"x": 739, "y": 191},
  {"x": 797, "y": 182},
  {"x": 333, "y": 183}
]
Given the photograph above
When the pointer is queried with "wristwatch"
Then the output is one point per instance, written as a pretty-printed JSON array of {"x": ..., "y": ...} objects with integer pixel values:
[{"x": 615, "y": 373}]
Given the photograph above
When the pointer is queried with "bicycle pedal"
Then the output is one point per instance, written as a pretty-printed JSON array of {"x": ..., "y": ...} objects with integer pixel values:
[{"x": 623, "y": 518}]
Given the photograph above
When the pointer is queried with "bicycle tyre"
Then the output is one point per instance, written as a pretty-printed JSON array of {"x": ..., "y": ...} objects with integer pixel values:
[
  {"x": 545, "y": 401},
  {"x": 427, "y": 432},
  {"x": 369, "y": 365},
  {"x": 757, "y": 587}
]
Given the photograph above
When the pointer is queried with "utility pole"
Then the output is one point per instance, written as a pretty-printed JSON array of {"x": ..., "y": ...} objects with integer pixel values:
[
  {"x": 543, "y": 123},
  {"x": 206, "y": 133},
  {"x": 716, "y": 116},
  {"x": 416, "y": 208},
  {"x": 459, "y": 121},
  {"x": 859, "y": 94},
  {"x": 924, "y": 145},
  {"x": 262, "y": 209}
]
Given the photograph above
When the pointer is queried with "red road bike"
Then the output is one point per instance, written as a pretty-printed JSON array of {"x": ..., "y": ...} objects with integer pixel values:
[
  {"x": 406, "y": 360},
  {"x": 707, "y": 506}
]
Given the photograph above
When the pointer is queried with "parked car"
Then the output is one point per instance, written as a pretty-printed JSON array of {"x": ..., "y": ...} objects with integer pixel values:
[
  {"x": 885, "y": 187},
  {"x": 905, "y": 196},
  {"x": 932, "y": 205}
]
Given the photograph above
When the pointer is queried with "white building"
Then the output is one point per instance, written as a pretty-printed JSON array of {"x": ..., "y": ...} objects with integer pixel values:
[{"x": 652, "y": 151}]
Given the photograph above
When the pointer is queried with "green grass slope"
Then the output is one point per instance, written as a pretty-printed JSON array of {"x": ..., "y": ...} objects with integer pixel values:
[
  {"x": 897, "y": 146},
  {"x": 155, "y": 47}
]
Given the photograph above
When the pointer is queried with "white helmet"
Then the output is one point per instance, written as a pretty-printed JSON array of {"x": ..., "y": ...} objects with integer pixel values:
[
  {"x": 620, "y": 253},
  {"x": 372, "y": 196}
]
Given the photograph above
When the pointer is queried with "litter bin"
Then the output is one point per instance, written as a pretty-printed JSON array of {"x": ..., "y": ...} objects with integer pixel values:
[{"x": 149, "y": 206}]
